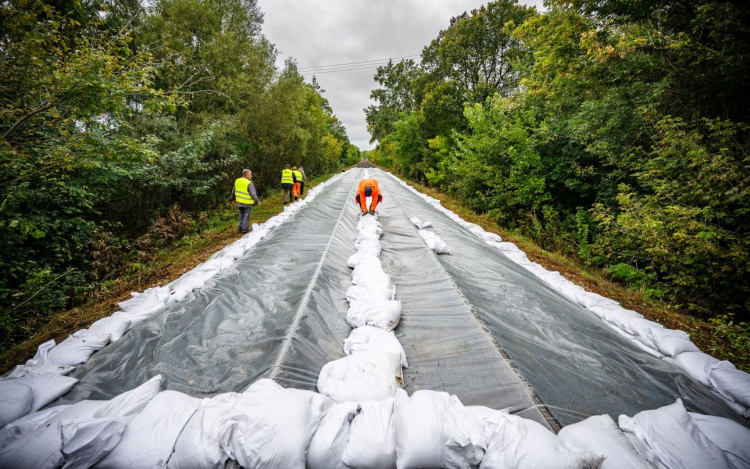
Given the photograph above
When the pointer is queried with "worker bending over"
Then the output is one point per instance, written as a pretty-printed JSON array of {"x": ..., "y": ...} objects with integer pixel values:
[{"x": 368, "y": 188}]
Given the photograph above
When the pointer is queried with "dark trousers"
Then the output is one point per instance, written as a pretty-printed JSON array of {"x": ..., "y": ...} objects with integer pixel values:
[
  {"x": 301, "y": 188},
  {"x": 287, "y": 188},
  {"x": 244, "y": 223}
]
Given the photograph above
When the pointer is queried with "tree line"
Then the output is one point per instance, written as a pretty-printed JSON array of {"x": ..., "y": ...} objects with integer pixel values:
[
  {"x": 118, "y": 115},
  {"x": 613, "y": 130}
]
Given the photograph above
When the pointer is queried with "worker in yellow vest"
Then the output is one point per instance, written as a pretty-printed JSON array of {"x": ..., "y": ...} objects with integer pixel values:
[
  {"x": 245, "y": 198},
  {"x": 297, "y": 183},
  {"x": 287, "y": 184}
]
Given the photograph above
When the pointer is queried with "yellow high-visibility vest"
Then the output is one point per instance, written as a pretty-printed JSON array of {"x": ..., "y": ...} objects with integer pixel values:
[
  {"x": 241, "y": 194},
  {"x": 299, "y": 176},
  {"x": 286, "y": 177}
]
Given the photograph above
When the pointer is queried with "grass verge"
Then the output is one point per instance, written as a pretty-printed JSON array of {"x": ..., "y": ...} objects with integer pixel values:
[
  {"x": 165, "y": 265},
  {"x": 713, "y": 339}
]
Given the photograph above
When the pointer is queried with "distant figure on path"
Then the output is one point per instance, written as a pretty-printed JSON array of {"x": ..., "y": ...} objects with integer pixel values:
[
  {"x": 297, "y": 182},
  {"x": 368, "y": 188},
  {"x": 304, "y": 180},
  {"x": 244, "y": 197},
  {"x": 287, "y": 184}
]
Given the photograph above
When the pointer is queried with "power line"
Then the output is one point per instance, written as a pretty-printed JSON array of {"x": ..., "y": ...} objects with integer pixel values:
[
  {"x": 350, "y": 64},
  {"x": 341, "y": 70}
]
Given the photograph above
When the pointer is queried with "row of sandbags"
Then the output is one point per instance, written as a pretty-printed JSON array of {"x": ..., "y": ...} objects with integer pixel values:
[
  {"x": 42, "y": 379},
  {"x": 375, "y": 424},
  {"x": 371, "y": 369},
  {"x": 721, "y": 377},
  {"x": 268, "y": 426}
]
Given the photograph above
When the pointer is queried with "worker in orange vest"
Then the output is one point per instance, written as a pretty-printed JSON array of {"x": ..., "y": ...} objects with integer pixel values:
[{"x": 368, "y": 188}]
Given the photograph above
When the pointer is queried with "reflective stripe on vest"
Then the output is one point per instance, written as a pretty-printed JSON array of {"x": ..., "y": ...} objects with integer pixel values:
[
  {"x": 299, "y": 176},
  {"x": 286, "y": 177},
  {"x": 241, "y": 194}
]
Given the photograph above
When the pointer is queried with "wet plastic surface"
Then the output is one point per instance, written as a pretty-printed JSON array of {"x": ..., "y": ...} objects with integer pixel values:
[
  {"x": 575, "y": 364},
  {"x": 280, "y": 312}
]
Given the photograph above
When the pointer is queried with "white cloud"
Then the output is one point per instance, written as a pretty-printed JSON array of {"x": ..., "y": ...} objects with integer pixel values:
[{"x": 325, "y": 32}]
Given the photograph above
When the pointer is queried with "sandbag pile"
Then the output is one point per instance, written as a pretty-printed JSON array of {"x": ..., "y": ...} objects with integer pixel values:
[
  {"x": 360, "y": 419},
  {"x": 728, "y": 383},
  {"x": 371, "y": 369},
  {"x": 430, "y": 238},
  {"x": 42, "y": 379}
]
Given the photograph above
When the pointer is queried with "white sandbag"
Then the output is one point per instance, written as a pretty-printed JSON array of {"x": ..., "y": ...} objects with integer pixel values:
[
  {"x": 378, "y": 281},
  {"x": 569, "y": 289},
  {"x": 364, "y": 376},
  {"x": 76, "y": 350},
  {"x": 217, "y": 264},
  {"x": 378, "y": 313},
  {"x": 366, "y": 292},
  {"x": 433, "y": 429},
  {"x": 149, "y": 299},
  {"x": 367, "y": 235},
  {"x": 179, "y": 293},
  {"x": 518, "y": 443},
  {"x": 731, "y": 437},
  {"x": 359, "y": 256},
  {"x": 434, "y": 242},
  {"x": 25, "y": 370},
  {"x": 140, "y": 316},
  {"x": 86, "y": 442},
  {"x": 639, "y": 327},
  {"x": 131, "y": 402},
  {"x": 273, "y": 426},
  {"x": 508, "y": 247},
  {"x": 372, "y": 441},
  {"x": 16, "y": 400},
  {"x": 673, "y": 440},
  {"x": 490, "y": 237},
  {"x": 367, "y": 266},
  {"x": 697, "y": 365},
  {"x": 671, "y": 342},
  {"x": 730, "y": 382},
  {"x": 417, "y": 222},
  {"x": 42, "y": 354},
  {"x": 233, "y": 251},
  {"x": 374, "y": 339},
  {"x": 41, "y": 447},
  {"x": 113, "y": 326},
  {"x": 196, "y": 280},
  {"x": 589, "y": 299},
  {"x": 150, "y": 438},
  {"x": 198, "y": 446},
  {"x": 329, "y": 442},
  {"x": 517, "y": 257},
  {"x": 600, "y": 435},
  {"x": 46, "y": 388},
  {"x": 27, "y": 424}
]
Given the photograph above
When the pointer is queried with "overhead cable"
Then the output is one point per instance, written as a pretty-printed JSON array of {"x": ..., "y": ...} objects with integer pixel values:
[{"x": 348, "y": 65}]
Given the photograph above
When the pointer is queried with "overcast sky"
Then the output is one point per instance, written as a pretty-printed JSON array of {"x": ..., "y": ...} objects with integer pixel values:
[{"x": 328, "y": 32}]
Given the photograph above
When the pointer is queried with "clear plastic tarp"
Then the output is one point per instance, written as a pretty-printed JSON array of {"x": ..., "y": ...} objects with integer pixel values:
[{"x": 473, "y": 323}]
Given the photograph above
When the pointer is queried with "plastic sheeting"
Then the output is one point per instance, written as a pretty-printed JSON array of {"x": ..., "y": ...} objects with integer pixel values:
[
  {"x": 280, "y": 312},
  {"x": 575, "y": 364}
]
